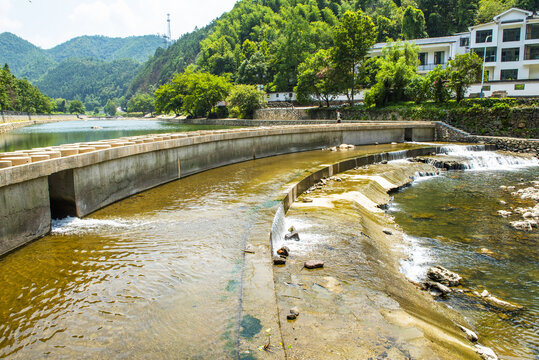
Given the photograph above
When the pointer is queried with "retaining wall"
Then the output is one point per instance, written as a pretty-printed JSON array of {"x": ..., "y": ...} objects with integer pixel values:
[
  {"x": 12, "y": 121},
  {"x": 81, "y": 184}
]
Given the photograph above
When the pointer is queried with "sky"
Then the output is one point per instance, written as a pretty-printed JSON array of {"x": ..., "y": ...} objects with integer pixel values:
[{"x": 47, "y": 23}]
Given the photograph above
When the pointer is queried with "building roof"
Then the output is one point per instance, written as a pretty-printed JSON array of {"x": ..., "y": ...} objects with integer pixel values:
[
  {"x": 426, "y": 41},
  {"x": 525, "y": 12}
]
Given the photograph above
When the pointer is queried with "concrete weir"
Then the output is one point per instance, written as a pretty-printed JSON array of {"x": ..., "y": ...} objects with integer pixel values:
[{"x": 78, "y": 179}]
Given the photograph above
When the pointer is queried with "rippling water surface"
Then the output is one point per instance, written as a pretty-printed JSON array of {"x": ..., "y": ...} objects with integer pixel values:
[
  {"x": 448, "y": 219},
  {"x": 67, "y": 132},
  {"x": 157, "y": 275}
]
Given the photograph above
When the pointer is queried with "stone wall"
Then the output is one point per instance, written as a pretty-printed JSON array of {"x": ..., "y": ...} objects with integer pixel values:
[
  {"x": 11, "y": 121},
  {"x": 289, "y": 113}
]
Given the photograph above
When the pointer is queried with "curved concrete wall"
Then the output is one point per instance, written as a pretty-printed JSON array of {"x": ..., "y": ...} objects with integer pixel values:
[{"x": 93, "y": 175}]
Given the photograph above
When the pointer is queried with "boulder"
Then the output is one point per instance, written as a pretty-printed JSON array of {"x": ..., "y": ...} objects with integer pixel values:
[
  {"x": 443, "y": 276},
  {"x": 291, "y": 317},
  {"x": 277, "y": 260},
  {"x": 314, "y": 264},
  {"x": 294, "y": 311},
  {"x": 470, "y": 335},
  {"x": 436, "y": 289},
  {"x": 485, "y": 352},
  {"x": 284, "y": 251},
  {"x": 294, "y": 235}
]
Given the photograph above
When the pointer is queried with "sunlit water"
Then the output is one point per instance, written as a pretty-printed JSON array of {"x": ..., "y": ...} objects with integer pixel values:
[
  {"x": 449, "y": 218},
  {"x": 154, "y": 276},
  {"x": 67, "y": 132}
]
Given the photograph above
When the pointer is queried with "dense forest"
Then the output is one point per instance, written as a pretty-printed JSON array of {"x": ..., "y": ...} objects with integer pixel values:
[
  {"x": 265, "y": 41},
  {"x": 20, "y": 95},
  {"x": 92, "y": 81}
]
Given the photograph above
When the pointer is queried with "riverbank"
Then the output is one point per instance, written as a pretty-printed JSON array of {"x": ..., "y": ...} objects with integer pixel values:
[
  {"x": 12, "y": 121},
  {"x": 360, "y": 293}
]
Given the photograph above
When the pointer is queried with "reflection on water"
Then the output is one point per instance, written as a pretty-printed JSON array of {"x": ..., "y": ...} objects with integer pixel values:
[
  {"x": 450, "y": 218},
  {"x": 81, "y": 131},
  {"x": 154, "y": 276}
]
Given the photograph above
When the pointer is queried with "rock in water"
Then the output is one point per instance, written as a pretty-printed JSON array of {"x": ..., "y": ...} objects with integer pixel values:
[
  {"x": 485, "y": 352},
  {"x": 437, "y": 288},
  {"x": 469, "y": 333},
  {"x": 284, "y": 251},
  {"x": 314, "y": 264},
  {"x": 294, "y": 235},
  {"x": 277, "y": 260},
  {"x": 294, "y": 311},
  {"x": 291, "y": 317},
  {"x": 444, "y": 276},
  {"x": 387, "y": 232}
]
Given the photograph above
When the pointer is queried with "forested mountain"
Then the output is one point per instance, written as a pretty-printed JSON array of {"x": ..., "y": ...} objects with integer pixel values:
[
  {"x": 32, "y": 62},
  {"x": 138, "y": 48},
  {"x": 264, "y": 41},
  {"x": 93, "y": 81}
]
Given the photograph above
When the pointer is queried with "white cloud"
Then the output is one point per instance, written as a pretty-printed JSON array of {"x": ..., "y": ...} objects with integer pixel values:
[{"x": 7, "y": 23}]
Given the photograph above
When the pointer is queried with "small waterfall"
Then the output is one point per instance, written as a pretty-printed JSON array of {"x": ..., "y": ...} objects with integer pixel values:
[
  {"x": 476, "y": 158},
  {"x": 396, "y": 155},
  {"x": 278, "y": 229}
]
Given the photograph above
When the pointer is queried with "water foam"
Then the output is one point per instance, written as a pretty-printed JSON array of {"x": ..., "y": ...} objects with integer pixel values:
[
  {"x": 478, "y": 159},
  {"x": 77, "y": 226},
  {"x": 415, "y": 266}
]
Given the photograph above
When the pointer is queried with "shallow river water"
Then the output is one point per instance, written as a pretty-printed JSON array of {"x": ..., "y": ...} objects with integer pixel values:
[
  {"x": 154, "y": 276},
  {"x": 449, "y": 219}
]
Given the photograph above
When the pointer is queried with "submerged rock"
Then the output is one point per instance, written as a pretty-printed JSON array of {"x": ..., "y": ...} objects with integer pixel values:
[
  {"x": 387, "y": 232},
  {"x": 525, "y": 225},
  {"x": 470, "y": 335},
  {"x": 504, "y": 213},
  {"x": 486, "y": 353},
  {"x": 294, "y": 235},
  {"x": 436, "y": 289},
  {"x": 485, "y": 251},
  {"x": 314, "y": 264},
  {"x": 284, "y": 251},
  {"x": 443, "y": 276},
  {"x": 496, "y": 302}
]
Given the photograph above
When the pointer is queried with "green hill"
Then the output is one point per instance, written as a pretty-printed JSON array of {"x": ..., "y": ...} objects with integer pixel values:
[
  {"x": 93, "y": 81},
  {"x": 24, "y": 58}
]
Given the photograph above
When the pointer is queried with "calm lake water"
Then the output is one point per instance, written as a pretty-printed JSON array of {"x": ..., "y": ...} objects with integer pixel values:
[
  {"x": 67, "y": 132},
  {"x": 447, "y": 220}
]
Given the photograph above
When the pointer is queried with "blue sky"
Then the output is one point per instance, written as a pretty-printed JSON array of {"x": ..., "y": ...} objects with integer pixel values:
[{"x": 47, "y": 23}]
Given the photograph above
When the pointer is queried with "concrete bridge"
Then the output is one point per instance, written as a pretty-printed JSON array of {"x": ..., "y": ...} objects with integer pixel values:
[{"x": 78, "y": 179}]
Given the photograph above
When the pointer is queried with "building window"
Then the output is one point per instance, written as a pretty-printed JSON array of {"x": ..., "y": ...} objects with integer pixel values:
[
  {"x": 439, "y": 58},
  {"x": 482, "y": 35},
  {"x": 491, "y": 53},
  {"x": 531, "y": 52},
  {"x": 511, "y": 34},
  {"x": 276, "y": 95},
  {"x": 532, "y": 31},
  {"x": 464, "y": 42},
  {"x": 511, "y": 74},
  {"x": 520, "y": 86},
  {"x": 511, "y": 54},
  {"x": 423, "y": 58}
]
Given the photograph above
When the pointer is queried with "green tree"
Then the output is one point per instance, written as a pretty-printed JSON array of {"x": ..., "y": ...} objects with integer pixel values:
[
  {"x": 413, "y": 24},
  {"x": 464, "y": 70},
  {"x": 254, "y": 70},
  {"x": 110, "y": 108},
  {"x": 398, "y": 66},
  {"x": 144, "y": 103},
  {"x": 193, "y": 93},
  {"x": 317, "y": 77},
  {"x": 439, "y": 80},
  {"x": 60, "y": 105},
  {"x": 419, "y": 89},
  {"x": 76, "y": 107},
  {"x": 353, "y": 37},
  {"x": 244, "y": 100}
]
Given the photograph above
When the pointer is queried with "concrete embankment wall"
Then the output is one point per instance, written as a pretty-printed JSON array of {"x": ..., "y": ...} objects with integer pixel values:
[
  {"x": 81, "y": 184},
  {"x": 10, "y": 122}
]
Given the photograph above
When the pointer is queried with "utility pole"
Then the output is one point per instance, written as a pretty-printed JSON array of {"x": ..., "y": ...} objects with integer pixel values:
[{"x": 484, "y": 59}]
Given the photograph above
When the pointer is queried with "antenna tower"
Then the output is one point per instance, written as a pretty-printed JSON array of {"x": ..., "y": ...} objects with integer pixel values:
[{"x": 169, "y": 34}]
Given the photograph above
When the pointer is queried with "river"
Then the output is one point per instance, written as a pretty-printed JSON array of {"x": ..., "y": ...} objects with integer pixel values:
[{"x": 69, "y": 132}]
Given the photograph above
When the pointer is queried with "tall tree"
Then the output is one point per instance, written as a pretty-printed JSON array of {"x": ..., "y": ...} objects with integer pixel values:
[
  {"x": 413, "y": 24},
  {"x": 464, "y": 70},
  {"x": 317, "y": 77},
  {"x": 353, "y": 38}
]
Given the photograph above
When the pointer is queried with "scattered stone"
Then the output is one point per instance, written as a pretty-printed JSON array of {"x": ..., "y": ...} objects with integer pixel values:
[
  {"x": 485, "y": 293},
  {"x": 387, "y": 232},
  {"x": 504, "y": 213},
  {"x": 436, "y": 289},
  {"x": 291, "y": 229},
  {"x": 294, "y": 235},
  {"x": 393, "y": 143},
  {"x": 384, "y": 162},
  {"x": 284, "y": 251},
  {"x": 502, "y": 202},
  {"x": 307, "y": 200},
  {"x": 294, "y": 311},
  {"x": 291, "y": 317},
  {"x": 444, "y": 276},
  {"x": 526, "y": 225},
  {"x": 485, "y": 352},
  {"x": 277, "y": 260},
  {"x": 470, "y": 335},
  {"x": 314, "y": 264}
]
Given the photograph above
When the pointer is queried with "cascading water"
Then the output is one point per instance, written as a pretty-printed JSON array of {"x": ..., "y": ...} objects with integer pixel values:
[
  {"x": 278, "y": 229},
  {"x": 476, "y": 158}
]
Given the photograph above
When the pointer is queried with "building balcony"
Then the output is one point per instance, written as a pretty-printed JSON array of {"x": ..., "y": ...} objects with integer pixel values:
[{"x": 429, "y": 67}]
